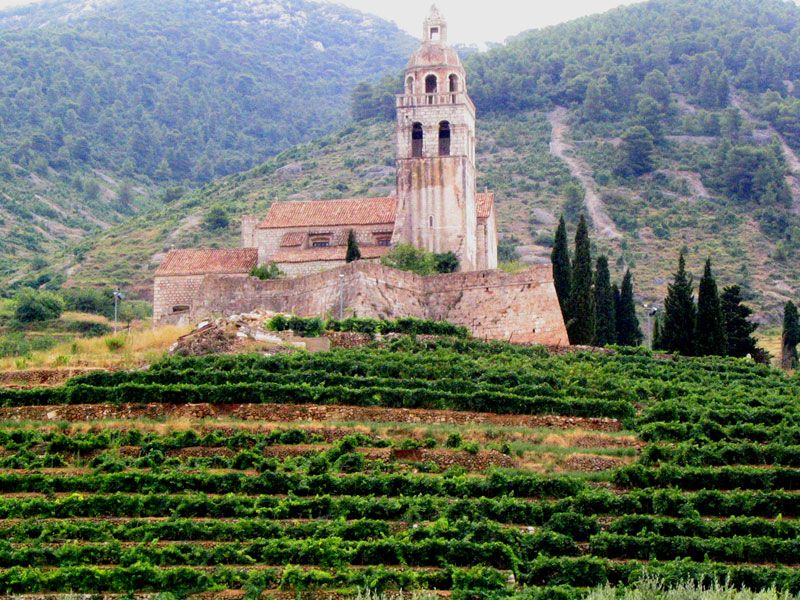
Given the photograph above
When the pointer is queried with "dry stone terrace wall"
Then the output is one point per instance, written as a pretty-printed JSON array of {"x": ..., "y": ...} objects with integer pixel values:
[{"x": 522, "y": 307}]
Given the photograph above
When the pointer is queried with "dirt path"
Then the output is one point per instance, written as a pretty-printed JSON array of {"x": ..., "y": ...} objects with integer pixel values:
[
  {"x": 792, "y": 159},
  {"x": 562, "y": 148},
  {"x": 298, "y": 412}
]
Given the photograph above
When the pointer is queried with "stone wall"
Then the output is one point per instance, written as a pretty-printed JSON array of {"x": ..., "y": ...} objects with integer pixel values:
[
  {"x": 522, "y": 307},
  {"x": 268, "y": 241}
]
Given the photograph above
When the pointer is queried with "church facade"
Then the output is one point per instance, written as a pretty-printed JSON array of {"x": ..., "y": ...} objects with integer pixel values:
[{"x": 436, "y": 207}]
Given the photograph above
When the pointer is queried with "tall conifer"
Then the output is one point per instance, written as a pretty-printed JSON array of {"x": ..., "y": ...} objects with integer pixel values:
[
  {"x": 562, "y": 272},
  {"x": 791, "y": 336},
  {"x": 680, "y": 313},
  {"x": 738, "y": 328},
  {"x": 605, "y": 316},
  {"x": 710, "y": 337},
  {"x": 581, "y": 326},
  {"x": 628, "y": 331}
]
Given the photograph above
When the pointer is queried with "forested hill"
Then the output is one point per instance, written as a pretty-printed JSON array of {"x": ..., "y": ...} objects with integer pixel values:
[{"x": 181, "y": 89}]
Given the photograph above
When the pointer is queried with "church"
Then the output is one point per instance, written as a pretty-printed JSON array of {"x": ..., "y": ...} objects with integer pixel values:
[{"x": 436, "y": 206}]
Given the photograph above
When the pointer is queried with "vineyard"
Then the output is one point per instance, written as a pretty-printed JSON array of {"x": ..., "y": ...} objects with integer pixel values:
[{"x": 477, "y": 469}]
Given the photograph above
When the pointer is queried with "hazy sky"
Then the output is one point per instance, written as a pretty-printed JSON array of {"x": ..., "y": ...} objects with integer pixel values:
[{"x": 471, "y": 21}]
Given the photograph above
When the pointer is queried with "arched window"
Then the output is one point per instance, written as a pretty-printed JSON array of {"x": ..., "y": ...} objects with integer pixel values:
[
  {"x": 453, "y": 83},
  {"x": 417, "y": 139},
  {"x": 444, "y": 138},
  {"x": 431, "y": 84},
  {"x": 410, "y": 85},
  {"x": 430, "y": 221}
]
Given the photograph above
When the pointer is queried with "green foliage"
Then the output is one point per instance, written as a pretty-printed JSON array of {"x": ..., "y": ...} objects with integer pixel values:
[
  {"x": 181, "y": 91},
  {"x": 790, "y": 337},
  {"x": 446, "y": 262},
  {"x": 636, "y": 152},
  {"x": 34, "y": 305},
  {"x": 403, "y": 325},
  {"x": 562, "y": 270},
  {"x": 353, "y": 251},
  {"x": 738, "y": 327},
  {"x": 267, "y": 272},
  {"x": 710, "y": 323},
  {"x": 628, "y": 331},
  {"x": 680, "y": 313},
  {"x": 751, "y": 174},
  {"x": 407, "y": 257},
  {"x": 581, "y": 325},
  {"x": 507, "y": 249},
  {"x": 216, "y": 218},
  {"x": 605, "y": 310}
]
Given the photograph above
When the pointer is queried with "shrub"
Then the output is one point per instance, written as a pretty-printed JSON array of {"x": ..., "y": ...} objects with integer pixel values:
[
  {"x": 454, "y": 440},
  {"x": 33, "y": 306},
  {"x": 216, "y": 218},
  {"x": 266, "y": 272},
  {"x": 446, "y": 262},
  {"x": 407, "y": 257},
  {"x": 115, "y": 343}
]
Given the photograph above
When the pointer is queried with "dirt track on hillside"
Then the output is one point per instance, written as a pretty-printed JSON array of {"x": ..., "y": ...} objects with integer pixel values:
[
  {"x": 561, "y": 148},
  {"x": 298, "y": 413}
]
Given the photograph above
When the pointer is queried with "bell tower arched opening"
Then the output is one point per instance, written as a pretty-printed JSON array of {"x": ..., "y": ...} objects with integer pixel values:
[
  {"x": 417, "y": 140},
  {"x": 444, "y": 138}
]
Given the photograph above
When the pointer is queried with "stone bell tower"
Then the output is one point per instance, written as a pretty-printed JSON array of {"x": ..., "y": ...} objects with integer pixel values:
[{"x": 436, "y": 151}]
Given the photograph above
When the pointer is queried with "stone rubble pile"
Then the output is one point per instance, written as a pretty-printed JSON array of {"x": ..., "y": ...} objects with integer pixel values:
[{"x": 220, "y": 336}]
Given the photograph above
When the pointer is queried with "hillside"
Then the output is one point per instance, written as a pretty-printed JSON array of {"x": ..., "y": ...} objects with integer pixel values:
[
  {"x": 135, "y": 95},
  {"x": 712, "y": 83},
  {"x": 514, "y": 159},
  {"x": 485, "y": 470}
]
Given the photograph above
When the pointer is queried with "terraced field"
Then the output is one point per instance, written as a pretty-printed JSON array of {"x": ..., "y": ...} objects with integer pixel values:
[{"x": 476, "y": 469}]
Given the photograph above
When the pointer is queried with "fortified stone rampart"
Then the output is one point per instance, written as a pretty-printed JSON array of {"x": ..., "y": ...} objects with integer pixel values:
[{"x": 522, "y": 307}]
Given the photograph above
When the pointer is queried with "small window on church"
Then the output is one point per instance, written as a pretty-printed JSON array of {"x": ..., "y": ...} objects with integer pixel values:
[
  {"x": 383, "y": 240},
  {"x": 417, "y": 140},
  {"x": 444, "y": 138},
  {"x": 435, "y": 34},
  {"x": 181, "y": 308},
  {"x": 321, "y": 243},
  {"x": 431, "y": 84},
  {"x": 430, "y": 221}
]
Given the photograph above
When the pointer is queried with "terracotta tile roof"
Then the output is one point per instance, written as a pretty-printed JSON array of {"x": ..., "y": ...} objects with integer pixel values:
[
  {"x": 331, "y": 253},
  {"x": 293, "y": 239},
  {"x": 327, "y": 213},
  {"x": 200, "y": 262},
  {"x": 484, "y": 203}
]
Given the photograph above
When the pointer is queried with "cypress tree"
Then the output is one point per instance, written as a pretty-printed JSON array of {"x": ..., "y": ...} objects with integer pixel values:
[
  {"x": 680, "y": 313},
  {"x": 353, "y": 251},
  {"x": 658, "y": 338},
  {"x": 791, "y": 336},
  {"x": 738, "y": 328},
  {"x": 709, "y": 336},
  {"x": 581, "y": 325},
  {"x": 605, "y": 316},
  {"x": 562, "y": 273},
  {"x": 628, "y": 331}
]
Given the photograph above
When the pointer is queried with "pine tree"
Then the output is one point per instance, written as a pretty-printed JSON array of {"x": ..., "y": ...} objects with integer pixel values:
[
  {"x": 738, "y": 328},
  {"x": 562, "y": 272},
  {"x": 353, "y": 251},
  {"x": 680, "y": 313},
  {"x": 628, "y": 331},
  {"x": 605, "y": 317},
  {"x": 791, "y": 336},
  {"x": 710, "y": 337},
  {"x": 581, "y": 325}
]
